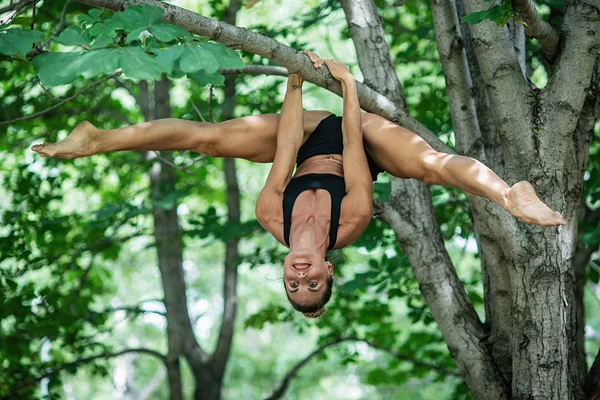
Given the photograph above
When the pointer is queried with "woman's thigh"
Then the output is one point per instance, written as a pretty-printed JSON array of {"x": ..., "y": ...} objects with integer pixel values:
[
  {"x": 397, "y": 150},
  {"x": 253, "y": 138}
]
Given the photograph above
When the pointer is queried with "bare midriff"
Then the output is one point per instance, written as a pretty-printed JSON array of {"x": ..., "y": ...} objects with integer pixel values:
[{"x": 322, "y": 164}]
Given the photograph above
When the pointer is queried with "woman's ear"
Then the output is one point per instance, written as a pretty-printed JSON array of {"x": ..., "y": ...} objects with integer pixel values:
[{"x": 329, "y": 267}]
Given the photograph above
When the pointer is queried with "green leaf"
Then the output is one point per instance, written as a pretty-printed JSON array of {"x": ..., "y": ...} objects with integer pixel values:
[
  {"x": 140, "y": 16},
  {"x": 227, "y": 58},
  {"x": 166, "y": 57},
  {"x": 134, "y": 34},
  {"x": 53, "y": 68},
  {"x": 19, "y": 41},
  {"x": 168, "y": 32},
  {"x": 96, "y": 62},
  {"x": 202, "y": 79},
  {"x": 195, "y": 59},
  {"x": 74, "y": 36},
  {"x": 138, "y": 64}
]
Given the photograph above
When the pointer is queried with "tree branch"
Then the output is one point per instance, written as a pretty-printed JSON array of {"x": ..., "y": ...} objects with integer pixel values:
[
  {"x": 241, "y": 38},
  {"x": 256, "y": 70},
  {"x": 419, "y": 235},
  {"x": 280, "y": 390},
  {"x": 507, "y": 90},
  {"x": 14, "y": 9},
  {"x": 537, "y": 28},
  {"x": 55, "y": 370},
  {"x": 458, "y": 79},
  {"x": 572, "y": 72},
  {"x": 60, "y": 103},
  {"x": 372, "y": 50},
  {"x": 39, "y": 48},
  {"x": 221, "y": 355}
]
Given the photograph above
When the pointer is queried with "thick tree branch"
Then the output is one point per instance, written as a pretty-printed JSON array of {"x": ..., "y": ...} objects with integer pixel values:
[
  {"x": 537, "y": 28},
  {"x": 413, "y": 221},
  {"x": 507, "y": 90},
  {"x": 485, "y": 115},
  {"x": 280, "y": 391},
  {"x": 450, "y": 46},
  {"x": 566, "y": 90},
  {"x": 55, "y": 370},
  {"x": 221, "y": 355},
  {"x": 241, "y": 38},
  {"x": 256, "y": 70},
  {"x": 60, "y": 103},
  {"x": 372, "y": 50},
  {"x": 460, "y": 326}
]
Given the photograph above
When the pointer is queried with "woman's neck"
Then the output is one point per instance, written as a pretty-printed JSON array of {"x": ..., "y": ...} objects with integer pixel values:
[{"x": 308, "y": 235}]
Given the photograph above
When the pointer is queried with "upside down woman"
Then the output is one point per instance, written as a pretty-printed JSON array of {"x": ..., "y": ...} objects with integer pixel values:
[{"x": 326, "y": 204}]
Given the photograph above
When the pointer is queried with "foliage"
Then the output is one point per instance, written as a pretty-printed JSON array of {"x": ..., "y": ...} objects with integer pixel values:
[
  {"x": 498, "y": 13},
  {"x": 136, "y": 41}
]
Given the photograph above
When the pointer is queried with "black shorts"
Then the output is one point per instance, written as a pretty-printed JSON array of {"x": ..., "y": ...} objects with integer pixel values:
[{"x": 327, "y": 138}]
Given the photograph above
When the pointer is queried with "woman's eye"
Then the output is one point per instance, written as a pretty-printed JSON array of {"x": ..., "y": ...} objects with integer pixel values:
[
  {"x": 294, "y": 285},
  {"x": 312, "y": 284}
]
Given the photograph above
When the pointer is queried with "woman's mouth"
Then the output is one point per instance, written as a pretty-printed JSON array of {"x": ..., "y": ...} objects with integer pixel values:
[{"x": 300, "y": 266}]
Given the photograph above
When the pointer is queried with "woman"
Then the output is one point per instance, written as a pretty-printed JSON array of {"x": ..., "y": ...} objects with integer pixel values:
[{"x": 327, "y": 203}]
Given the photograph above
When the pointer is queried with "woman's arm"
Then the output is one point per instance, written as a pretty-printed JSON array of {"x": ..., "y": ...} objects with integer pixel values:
[
  {"x": 290, "y": 133},
  {"x": 358, "y": 202}
]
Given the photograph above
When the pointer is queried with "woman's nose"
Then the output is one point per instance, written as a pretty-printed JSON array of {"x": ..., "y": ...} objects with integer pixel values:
[{"x": 301, "y": 274}]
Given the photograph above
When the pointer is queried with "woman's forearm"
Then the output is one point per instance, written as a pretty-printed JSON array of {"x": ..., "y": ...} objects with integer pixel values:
[
  {"x": 351, "y": 122},
  {"x": 290, "y": 131}
]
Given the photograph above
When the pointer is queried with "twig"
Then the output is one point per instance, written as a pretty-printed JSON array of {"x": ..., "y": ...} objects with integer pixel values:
[
  {"x": 46, "y": 91},
  {"x": 179, "y": 167},
  {"x": 53, "y": 371},
  {"x": 60, "y": 103},
  {"x": 39, "y": 48},
  {"x": 294, "y": 370},
  {"x": 17, "y": 6},
  {"x": 210, "y": 98},
  {"x": 197, "y": 111},
  {"x": 14, "y": 9}
]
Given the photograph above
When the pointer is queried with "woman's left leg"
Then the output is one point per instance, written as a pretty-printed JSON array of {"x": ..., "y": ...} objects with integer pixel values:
[{"x": 406, "y": 155}]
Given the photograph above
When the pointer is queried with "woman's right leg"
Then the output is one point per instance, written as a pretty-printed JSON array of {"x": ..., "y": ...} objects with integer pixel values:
[{"x": 252, "y": 138}]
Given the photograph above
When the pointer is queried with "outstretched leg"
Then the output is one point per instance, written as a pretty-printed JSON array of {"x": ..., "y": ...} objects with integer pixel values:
[
  {"x": 252, "y": 138},
  {"x": 406, "y": 155}
]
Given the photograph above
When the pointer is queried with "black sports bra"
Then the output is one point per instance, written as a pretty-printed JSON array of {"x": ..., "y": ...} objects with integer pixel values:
[{"x": 336, "y": 187}]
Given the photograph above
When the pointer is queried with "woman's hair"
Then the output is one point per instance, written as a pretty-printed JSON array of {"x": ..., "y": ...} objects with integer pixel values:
[{"x": 314, "y": 310}]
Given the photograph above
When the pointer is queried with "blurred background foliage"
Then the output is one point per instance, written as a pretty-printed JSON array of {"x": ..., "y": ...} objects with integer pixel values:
[{"x": 78, "y": 274}]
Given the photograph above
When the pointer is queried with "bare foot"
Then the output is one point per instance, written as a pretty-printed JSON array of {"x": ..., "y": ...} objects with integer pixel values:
[
  {"x": 524, "y": 204},
  {"x": 78, "y": 144}
]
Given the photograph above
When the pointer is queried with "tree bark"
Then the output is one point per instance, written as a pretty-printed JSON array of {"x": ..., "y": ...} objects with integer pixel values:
[{"x": 410, "y": 214}]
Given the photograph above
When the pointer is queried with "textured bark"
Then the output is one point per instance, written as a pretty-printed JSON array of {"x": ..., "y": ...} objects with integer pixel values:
[
  {"x": 485, "y": 114},
  {"x": 546, "y": 349},
  {"x": 464, "y": 120},
  {"x": 450, "y": 46},
  {"x": 243, "y": 39},
  {"x": 221, "y": 355},
  {"x": 372, "y": 50},
  {"x": 169, "y": 248},
  {"x": 517, "y": 36},
  {"x": 462, "y": 331},
  {"x": 537, "y": 28},
  {"x": 506, "y": 88},
  {"x": 410, "y": 214}
]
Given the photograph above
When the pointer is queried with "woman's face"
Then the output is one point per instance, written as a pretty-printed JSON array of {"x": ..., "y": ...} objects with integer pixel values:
[{"x": 305, "y": 275}]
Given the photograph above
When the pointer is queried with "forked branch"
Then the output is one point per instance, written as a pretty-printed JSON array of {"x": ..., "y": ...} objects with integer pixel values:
[{"x": 537, "y": 28}]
